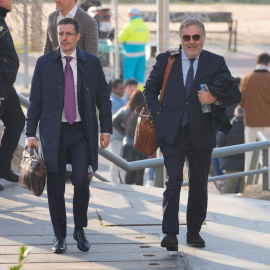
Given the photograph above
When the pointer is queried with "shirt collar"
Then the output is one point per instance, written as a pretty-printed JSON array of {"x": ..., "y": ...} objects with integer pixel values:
[
  {"x": 74, "y": 54},
  {"x": 261, "y": 67},
  {"x": 72, "y": 12}
]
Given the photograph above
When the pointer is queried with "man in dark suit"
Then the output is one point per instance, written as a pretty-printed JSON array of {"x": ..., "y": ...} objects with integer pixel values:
[
  {"x": 182, "y": 130},
  {"x": 64, "y": 79},
  {"x": 88, "y": 26}
]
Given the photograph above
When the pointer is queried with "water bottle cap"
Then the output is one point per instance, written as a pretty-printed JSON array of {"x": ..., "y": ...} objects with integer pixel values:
[{"x": 202, "y": 85}]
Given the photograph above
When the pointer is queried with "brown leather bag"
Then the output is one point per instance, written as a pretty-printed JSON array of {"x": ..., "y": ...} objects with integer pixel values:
[
  {"x": 32, "y": 172},
  {"x": 145, "y": 136}
]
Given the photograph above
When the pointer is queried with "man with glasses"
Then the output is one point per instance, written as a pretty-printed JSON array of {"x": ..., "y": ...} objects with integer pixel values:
[
  {"x": 183, "y": 131},
  {"x": 67, "y": 85}
]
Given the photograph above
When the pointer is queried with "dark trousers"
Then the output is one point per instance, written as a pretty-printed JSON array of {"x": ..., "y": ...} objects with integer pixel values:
[
  {"x": 73, "y": 147},
  {"x": 135, "y": 177},
  {"x": 13, "y": 118},
  {"x": 199, "y": 164}
]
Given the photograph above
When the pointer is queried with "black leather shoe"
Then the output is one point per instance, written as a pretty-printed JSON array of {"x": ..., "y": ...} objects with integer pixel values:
[
  {"x": 1, "y": 187},
  {"x": 82, "y": 242},
  {"x": 194, "y": 239},
  {"x": 60, "y": 245},
  {"x": 9, "y": 175},
  {"x": 170, "y": 242}
]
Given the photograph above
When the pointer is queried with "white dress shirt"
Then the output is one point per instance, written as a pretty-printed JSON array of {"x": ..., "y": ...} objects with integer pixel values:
[
  {"x": 73, "y": 64},
  {"x": 71, "y": 14},
  {"x": 186, "y": 65}
]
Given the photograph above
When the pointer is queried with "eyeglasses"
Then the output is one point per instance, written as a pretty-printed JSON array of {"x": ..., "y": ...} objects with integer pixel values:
[
  {"x": 187, "y": 38},
  {"x": 61, "y": 35}
]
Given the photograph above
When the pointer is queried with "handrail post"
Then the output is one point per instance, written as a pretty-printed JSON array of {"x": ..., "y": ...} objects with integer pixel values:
[
  {"x": 253, "y": 164},
  {"x": 265, "y": 164},
  {"x": 159, "y": 176}
]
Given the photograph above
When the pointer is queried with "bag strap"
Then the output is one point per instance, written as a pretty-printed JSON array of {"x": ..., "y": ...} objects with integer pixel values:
[
  {"x": 128, "y": 119},
  {"x": 173, "y": 53}
]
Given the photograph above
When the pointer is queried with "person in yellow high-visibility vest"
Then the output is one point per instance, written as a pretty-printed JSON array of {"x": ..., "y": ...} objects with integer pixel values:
[{"x": 134, "y": 37}]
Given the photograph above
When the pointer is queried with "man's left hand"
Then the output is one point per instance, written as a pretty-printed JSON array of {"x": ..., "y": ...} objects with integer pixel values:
[
  {"x": 206, "y": 97},
  {"x": 104, "y": 140}
]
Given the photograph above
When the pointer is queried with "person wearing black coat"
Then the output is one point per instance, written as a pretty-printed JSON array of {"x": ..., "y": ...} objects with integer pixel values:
[
  {"x": 183, "y": 131},
  {"x": 233, "y": 163},
  {"x": 69, "y": 137},
  {"x": 11, "y": 112}
]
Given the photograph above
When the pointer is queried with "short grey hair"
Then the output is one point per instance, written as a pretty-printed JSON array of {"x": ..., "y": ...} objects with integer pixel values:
[{"x": 192, "y": 21}]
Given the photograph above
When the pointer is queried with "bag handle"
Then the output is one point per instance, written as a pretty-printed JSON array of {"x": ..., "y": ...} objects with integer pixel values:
[
  {"x": 31, "y": 150},
  {"x": 171, "y": 59},
  {"x": 141, "y": 107}
]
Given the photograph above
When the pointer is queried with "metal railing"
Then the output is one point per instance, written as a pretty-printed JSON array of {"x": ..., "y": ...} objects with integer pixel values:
[{"x": 262, "y": 144}]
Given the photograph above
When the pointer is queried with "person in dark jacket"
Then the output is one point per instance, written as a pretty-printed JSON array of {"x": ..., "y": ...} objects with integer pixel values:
[
  {"x": 69, "y": 78},
  {"x": 233, "y": 163},
  {"x": 182, "y": 130},
  {"x": 11, "y": 112}
]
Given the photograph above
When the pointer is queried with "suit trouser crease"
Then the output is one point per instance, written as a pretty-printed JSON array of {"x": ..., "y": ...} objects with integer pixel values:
[
  {"x": 199, "y": 164},
  {"x": 73, "y": 148},
  {"x": 13, "y": 119}
]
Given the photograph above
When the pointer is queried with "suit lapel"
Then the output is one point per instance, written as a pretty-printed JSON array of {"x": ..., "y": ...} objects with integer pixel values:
[
  {"x": 202, "y": 67},
  {"x": 81, "y": 70},
  {"x": 77, "y": 16},
  {"x": 55, "y": 20},
  {"x": 54, "y": 28}
]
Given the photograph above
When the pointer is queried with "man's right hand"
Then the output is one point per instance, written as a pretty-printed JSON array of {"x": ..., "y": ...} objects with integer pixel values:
[{"x": 31, "y": 142}]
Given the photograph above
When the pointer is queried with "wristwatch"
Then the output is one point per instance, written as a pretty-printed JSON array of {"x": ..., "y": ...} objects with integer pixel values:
[{"x": 218, "y": 102}]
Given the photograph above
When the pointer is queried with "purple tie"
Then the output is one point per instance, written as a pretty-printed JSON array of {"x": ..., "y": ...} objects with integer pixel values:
[{"x": 70, "y": 104}]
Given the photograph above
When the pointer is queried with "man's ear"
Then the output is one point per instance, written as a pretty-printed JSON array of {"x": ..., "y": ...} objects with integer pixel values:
[
  {"x": 2, "y": 3},
  {"x": 78, "y": 36}
]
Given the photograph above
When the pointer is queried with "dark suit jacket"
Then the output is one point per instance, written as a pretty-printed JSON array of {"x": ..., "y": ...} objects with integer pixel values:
[
  {"x": 47, "y": 102},
  {"x": 175, "y": 101},
  {"x": 88, "y": 30}
]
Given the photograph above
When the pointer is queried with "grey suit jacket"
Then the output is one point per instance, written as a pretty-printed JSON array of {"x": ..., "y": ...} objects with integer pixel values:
[{"x": 88, "y": 30}]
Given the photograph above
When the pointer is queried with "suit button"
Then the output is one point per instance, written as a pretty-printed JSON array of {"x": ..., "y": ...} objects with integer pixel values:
[
  {"x": 87, "y": 88},
  {"x": 186, "y": 103}
]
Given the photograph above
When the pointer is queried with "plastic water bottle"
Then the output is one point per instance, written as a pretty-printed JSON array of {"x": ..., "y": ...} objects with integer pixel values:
[{"x": 205, "y": 107}]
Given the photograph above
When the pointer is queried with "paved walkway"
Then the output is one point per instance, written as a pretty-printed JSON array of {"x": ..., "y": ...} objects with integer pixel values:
[{"x": 125, "y": 231}]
